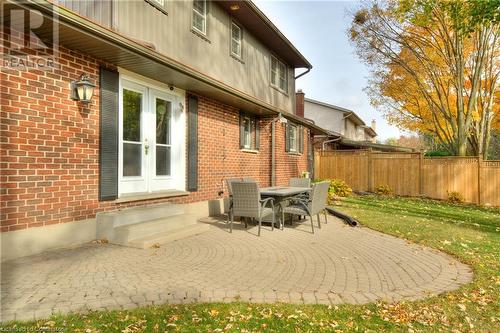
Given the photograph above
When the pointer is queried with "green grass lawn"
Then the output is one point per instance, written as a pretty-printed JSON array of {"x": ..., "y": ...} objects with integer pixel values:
[{"x": 470, "y": 233}]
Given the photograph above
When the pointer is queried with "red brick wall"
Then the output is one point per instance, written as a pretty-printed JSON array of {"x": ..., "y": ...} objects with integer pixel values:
[{"x": 49, "y": 148}]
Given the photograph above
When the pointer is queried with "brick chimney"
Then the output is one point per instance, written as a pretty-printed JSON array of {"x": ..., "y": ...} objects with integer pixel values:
[
  {"x": 299, "y": 103},
  {"x": 374, "y": 125}
]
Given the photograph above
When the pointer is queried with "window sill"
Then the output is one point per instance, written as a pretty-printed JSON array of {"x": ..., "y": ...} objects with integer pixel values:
[
  {"x": 149, "y": 196},
  {"x": 201, "y": 35},
  {"x": 238, "y": 59},
  {"x": 252, "y": 151},
  {"x": 157, "y": 6},
  {"x": 294, "y": 153},
  {"x": 279, "y": 89}
]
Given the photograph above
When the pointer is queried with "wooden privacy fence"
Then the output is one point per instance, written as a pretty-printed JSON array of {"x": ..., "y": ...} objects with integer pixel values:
[{"x": 412, "y": 174}]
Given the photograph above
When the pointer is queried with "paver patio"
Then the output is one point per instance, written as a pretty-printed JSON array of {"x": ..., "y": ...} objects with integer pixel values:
[{"x": 337, "y": 264}]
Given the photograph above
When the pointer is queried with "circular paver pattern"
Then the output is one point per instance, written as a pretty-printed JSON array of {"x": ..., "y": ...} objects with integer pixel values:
[{"x": 338, "y": 264}]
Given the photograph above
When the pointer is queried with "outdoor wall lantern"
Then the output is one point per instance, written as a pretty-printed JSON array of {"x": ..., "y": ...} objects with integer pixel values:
[
  {"x": 83, "y": 89},
  {"x": 282, "y": 119}
]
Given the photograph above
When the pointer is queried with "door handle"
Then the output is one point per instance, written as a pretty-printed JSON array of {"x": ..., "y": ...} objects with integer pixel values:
[{"x": 146, "y": 146}]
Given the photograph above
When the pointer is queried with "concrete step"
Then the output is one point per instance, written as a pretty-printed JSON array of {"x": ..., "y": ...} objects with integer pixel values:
[
  {"x": 140, "y": 214},
  {"x": 168, "y": 236},
  {"x": 126, "y": 233}
]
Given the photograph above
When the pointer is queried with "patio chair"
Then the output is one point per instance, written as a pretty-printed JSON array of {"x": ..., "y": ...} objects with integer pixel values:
[
  {"x": 230, "y": 193},
  {"x": 247, "y": 203},
  {"x": 300, "y": 182},
  {"x": 229, "y": 182},
  {"x": 310, "y": 207}
]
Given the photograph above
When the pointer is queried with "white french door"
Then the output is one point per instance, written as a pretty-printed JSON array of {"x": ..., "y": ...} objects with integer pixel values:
[{"x": 151, "y": 139}]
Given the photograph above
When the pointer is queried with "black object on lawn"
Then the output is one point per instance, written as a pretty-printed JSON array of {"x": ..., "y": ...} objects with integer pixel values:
[{"x": 349, "y": 220}]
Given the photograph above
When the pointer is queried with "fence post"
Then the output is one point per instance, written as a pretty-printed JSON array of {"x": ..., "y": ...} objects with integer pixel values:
[
  {"x": 315, "y": 171},
  {"x": 370, "y": 170},
  {"x": 421, "y": 173},
  {"x": 479, "y": 178}
]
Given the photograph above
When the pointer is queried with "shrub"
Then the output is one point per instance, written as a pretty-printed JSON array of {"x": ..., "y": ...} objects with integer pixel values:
[
  {"x": 383, "y": 190},
  {"x": 437, "y": 153},
  {"x": 339, "y": 188},
  {"x": 455, "y": 197}
]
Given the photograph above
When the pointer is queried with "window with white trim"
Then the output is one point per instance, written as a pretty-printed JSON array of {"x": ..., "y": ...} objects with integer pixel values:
[
  {"x": 236, "y": 37},
  {"x": 159, "y": 4},
  {"x": 249, "y": 132},
  {"x": 294, "y": 138},
  {"x": 278, "y": 74},
  {"x": 200, "y": 16}
]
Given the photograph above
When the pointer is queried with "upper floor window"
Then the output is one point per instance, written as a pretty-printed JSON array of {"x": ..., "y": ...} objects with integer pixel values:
[
  {"x": 200, "y": 16},
  {"x": 236, "y": 40},
  {"x": 158, "y": 4},
  {"x": 278, "y": 74}
]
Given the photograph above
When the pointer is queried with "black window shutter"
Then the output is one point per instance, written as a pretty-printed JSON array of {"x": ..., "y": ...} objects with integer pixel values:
[
  {"x": 257, "y": 134},
  {"x": 301, "y": 139},
  {"x": 192, "y": 182},
  {"x": 108, "y": 136},
  {"x": 242, "y": 132},
  {"x": 287, "y": 137}
]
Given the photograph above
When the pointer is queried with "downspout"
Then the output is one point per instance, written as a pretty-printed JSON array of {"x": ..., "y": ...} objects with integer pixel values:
[
  {"x": 273, "y": 137},
  {"x": 273, "y": 148},
  {"x": 328, "y": 141},
  {"x": 302, "y": 74},
  {"x": 273, "y": 154}
]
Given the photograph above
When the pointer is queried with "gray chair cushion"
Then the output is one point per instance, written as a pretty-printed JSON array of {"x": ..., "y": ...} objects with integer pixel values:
[
  {"x": 266, "y": 211},
  {"x": 295, "y": 209}
]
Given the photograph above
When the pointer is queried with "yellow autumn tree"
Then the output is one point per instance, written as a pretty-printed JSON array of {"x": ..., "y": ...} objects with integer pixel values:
[{"x": 434, "y": 67}]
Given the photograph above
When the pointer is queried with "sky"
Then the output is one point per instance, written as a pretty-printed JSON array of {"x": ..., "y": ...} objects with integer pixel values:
[{"x": 318, "y": 29}]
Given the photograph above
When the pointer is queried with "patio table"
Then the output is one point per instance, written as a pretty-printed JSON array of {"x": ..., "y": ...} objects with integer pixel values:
[{"x": 281, "y": 194}]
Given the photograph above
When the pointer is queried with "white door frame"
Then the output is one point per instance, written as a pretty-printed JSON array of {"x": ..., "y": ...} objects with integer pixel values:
[
  {"x": 132, "y": 184},
  {"x": 149, "y": 182}
]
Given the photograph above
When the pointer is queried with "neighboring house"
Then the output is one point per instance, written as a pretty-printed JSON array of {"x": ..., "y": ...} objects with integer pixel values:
[
  {"x": 338, "y": 120},
  {"x": 187, "y": 93}
]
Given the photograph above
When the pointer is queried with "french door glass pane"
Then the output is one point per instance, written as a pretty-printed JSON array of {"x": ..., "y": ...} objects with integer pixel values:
[
  {"x": 163, "y": 115},
  {"x": 162, "y": 161},
  {"x": 163, "y": 133},
  {"x": 132, "y": 159},
  {"x": 132, "y": 105}
]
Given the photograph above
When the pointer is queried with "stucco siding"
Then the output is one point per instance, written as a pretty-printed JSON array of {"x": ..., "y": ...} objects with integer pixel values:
[
  {"x": 173, "y": 36},
  {"x": 350, "y": 130},
  {"x": 324, "y": 116}
]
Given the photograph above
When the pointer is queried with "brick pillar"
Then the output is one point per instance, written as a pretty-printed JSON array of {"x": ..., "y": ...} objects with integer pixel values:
[{"x": 299, "y": 103}]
